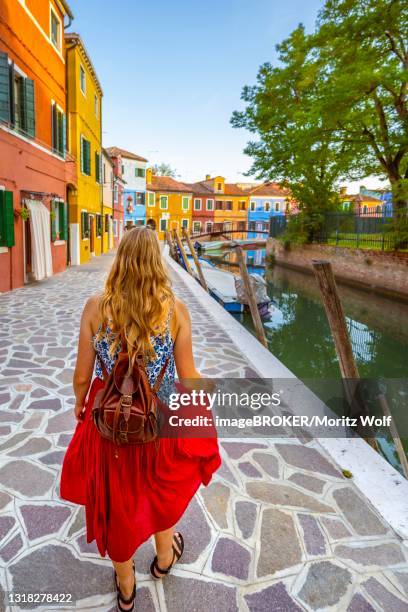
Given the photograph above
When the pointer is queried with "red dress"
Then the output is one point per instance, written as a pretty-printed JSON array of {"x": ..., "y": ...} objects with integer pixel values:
[{"x": 144, "y": 490}]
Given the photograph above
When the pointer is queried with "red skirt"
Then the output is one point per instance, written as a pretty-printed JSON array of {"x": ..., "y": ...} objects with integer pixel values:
[{"x": 144, "y": 490}]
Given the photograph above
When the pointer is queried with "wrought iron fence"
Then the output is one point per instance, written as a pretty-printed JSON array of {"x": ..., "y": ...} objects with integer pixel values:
[{"x": 373, "y": 230}]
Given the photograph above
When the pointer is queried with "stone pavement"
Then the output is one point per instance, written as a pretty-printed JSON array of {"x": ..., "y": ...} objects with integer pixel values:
[{"x": 279, "y": 528}]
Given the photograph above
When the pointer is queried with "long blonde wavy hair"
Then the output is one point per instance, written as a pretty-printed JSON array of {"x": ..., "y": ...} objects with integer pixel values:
[{"x": 137, "y": 296}]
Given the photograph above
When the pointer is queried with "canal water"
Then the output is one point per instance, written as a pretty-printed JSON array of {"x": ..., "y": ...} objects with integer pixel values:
[{"x": 299, "y": 336}]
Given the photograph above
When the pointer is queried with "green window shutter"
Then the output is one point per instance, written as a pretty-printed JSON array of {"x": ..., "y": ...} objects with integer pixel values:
[
  {"x": 64, "y": 135},
  {"x": 54, "y": 126},
  {"x": 63, "y": 229},
  {"x": 88, "y": 157},
  {"x": 82, "y": 225},
  {"x": 29, "y": 107},
  {"x": 6, "y": 219},
  {"x": 5, "y": 98},
  {"x": 53, "y": 221},
  {"x": 97, "y": 167}
]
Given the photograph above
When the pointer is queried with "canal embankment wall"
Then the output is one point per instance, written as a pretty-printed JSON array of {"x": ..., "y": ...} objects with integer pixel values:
[
  {"x": 384, "y": 272},
  {"x": 379, "y": 481}
]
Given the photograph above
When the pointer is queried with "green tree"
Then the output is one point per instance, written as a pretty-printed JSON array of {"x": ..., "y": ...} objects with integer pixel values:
[
  {"x": 362, "y": 46},
  {"x": 164, "y": 169},
  {"x": 295, "y": 143}
]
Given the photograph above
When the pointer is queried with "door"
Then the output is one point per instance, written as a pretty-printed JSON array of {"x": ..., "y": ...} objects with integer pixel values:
[{"x": 92, "y": 234}]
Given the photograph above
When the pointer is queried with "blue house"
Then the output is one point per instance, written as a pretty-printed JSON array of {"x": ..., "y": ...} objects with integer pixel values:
[
  {"x": 265, "y": 201},
  {"x": 134, "y": 194}
]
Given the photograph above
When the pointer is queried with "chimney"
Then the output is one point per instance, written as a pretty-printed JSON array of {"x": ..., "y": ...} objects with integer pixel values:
[
  {"x": 149, "y": 174},
  {"x": 207, "y": 177},
  {"x": 343, "y": 191}
]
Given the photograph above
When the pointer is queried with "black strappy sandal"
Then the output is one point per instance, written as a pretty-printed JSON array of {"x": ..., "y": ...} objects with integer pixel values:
[
  {"x": 120, "y": 599},
  {"x": 156, "y": 571}
]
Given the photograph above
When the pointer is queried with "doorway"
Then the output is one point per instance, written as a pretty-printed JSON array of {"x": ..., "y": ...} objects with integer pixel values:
[{"x": 92, "y": 234}]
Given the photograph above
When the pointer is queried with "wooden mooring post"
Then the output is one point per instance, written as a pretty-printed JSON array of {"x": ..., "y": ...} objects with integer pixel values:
[
  {"x": 253, "y": 306},
  {"x": 183, "y": 252},
  {"x": 171, "y": 246},
  {"x": 201, "y": 276},
  {"x": 338, "y": 327},
  {"x": 394, "y": 434}
]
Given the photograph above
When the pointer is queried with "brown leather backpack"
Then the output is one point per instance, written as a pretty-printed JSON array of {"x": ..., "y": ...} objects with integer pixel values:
[{"x": 125, "y": 409}]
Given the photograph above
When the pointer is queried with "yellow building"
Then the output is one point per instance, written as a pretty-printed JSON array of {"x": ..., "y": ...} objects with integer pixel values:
[
  {"x": 168, "y": 204},
  {"x": 84, "y": 111}
]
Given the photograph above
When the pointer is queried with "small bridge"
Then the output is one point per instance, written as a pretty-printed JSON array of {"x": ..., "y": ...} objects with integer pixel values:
[{"x": 220, "y": 231}]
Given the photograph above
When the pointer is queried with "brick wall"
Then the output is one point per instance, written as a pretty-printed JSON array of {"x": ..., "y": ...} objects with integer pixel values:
[{"x": 383, "y": 272}]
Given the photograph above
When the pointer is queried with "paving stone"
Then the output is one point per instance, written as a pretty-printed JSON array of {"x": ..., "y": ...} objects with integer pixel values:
[
  {"x": 358, "y": 513},
  {"x": 226, "y": 473},
  {"x": 144, "y": 599},
  {"x": 383, "y": 597},
  {"x": 34, "y": 421},
  {"x": 194, "y": 526},
  {"x": 79, "y": 522},
  {"x": 280, "y": 548},
  {"x": 45, "y": 382},
  {"x": 306, "y": 458},
  {"x": 43, "y": 520},
  {"x": 86, "y": 547},
  {"x": 17, "y": 401},
  {"x": 216, "y": 497},
  {"x": 22, "y": 364},
  {"x": 54, "y": 458},
  {"x": 268, "y": 462},
  {"x": 9, "y": 550},
  {"x": 64, "y": 440},
  {"x": 336, "y": 528},
  {"x": 359, "y": 604},
  {"x": 316, "y": 485},
  {"x": 56, "y": 363},
  {"x": 6, "y": 524},
  {"x": 245, "y": 513},
  {"x": 235, "y": 450},
  {"x": 249, "y": 470},
  {"x": 10, "y": 417},
  {"x": 182, "y": 594},
  {"x": 46, "y": 404},
  {"x": 23, "y": 387},
  {"x": 69, "y": 574},
  {"x": 285, "y": 495},
  {"x": 62, "y": 422},
  {"x": 32, "y": 447},
  {"x": 26, "y": 478},
  {"x": 5, "y": 430},
  {"x": 325, "y": 585},
  {"x": 231, "y": 559},
  {"x": 380, "y": 554},
  {"x": 39, "y": 393},
  {"x": 312, "y": 535},
  {"x": 4, "y": 398},
  {"x": 14, "y": 440},
  {"x": 272, "y": 599},
  {"x": 5, "y": 499},
  {"x": 66, "y": 375},
  {"x": 402, "y": 578},
  {"x": 60, "y": 351}
]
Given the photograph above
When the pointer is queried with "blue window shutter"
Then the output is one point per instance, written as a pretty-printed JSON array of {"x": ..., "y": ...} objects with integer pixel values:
[
  {"x": 5, "y": 98},
  {"x": 6, "y": 219}
]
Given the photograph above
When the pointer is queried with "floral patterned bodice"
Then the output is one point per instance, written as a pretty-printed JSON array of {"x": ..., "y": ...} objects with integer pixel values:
[{"x": 163, "y": 346}]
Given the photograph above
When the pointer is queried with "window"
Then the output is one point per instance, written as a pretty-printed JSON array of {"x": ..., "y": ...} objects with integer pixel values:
[
  {"x": 267, "y": 206},
  {"x": 97, "y": 167},
  {"x": 151, "y": 199},
  {"x": 17, "y": 107},
  {"x": 184, "y": 224},
  {"x": 197, "y": 204},
  {"x": 59, "y": 224},
  {"x": 219, "y": 186},
  {"x": 96, "y": 105},
  {"x": 115, "y": 228},
  {"x": 82, "y": 79},
  {"x": 277, "y": 207},
  {"x": 140, "y": 198},
  {"x": 241, "y": 226},
  {"x": 196, "y": 227},
  {"x": 84, "y": 225},
  {"x": 59, "y": 138},
  {"x": 98, "y": 225},
  {"x": 55, "y": 30},
  {"x": 242, "y": 205},
  {"x": 85, "y": 156},
  {"x": 140, "y": 172},
  {"x": 252, "y": 206},
  {"x": 228, "y": 205},
  {"x": 163, "y": 225},
  {"x": 163, "y": 202},
  {"x": 123, "y": 169},
  {"x": 218, "y": 205},
  {"x": 107, "y": 223},
  {"x": 210, "y": 204},
  {"x": 185, "y": 203},
  {"x": 6, "y": 219},
  {"x": 208, "y": 226}
]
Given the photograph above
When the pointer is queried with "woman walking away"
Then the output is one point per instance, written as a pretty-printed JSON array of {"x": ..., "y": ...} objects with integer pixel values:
[{"x": 133, "y": 490}]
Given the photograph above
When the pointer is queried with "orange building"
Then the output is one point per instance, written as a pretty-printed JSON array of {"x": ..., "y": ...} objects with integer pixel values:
[
  {"x": 168, "y": 204},
  {"x": 230, "y": 205},
  {"x": 36, "y": 173}
]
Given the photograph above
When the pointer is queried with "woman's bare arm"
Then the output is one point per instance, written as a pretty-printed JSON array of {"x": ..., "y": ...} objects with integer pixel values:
[{"x": 86, "y": 356}]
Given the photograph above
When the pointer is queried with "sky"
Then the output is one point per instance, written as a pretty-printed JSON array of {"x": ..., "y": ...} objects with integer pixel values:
[{"x": 172, "y": 74}]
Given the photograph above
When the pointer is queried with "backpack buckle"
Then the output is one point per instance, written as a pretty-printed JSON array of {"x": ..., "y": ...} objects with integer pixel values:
[{"x": 126, "y": 400}]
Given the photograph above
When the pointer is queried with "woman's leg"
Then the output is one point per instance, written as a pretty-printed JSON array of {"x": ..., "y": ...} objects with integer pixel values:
[
  {"x": 126, "y": 578},
  {"x": 164, "y": 547}
]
